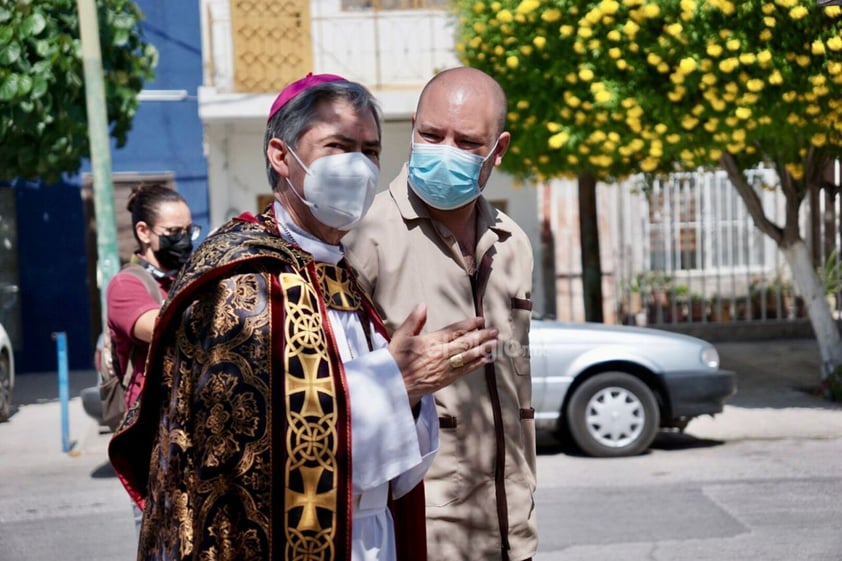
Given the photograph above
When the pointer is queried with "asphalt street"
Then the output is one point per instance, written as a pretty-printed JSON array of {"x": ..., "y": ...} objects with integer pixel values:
[{"x": 761, "y": 480}]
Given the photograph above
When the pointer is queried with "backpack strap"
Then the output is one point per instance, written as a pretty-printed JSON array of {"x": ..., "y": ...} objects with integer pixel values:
[
  {"x": 147, "y": 279},
  {"x": 154, "y": 290}
]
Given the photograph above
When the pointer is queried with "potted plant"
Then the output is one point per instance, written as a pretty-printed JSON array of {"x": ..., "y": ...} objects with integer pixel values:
[
  {"x": 679, "y": 301},
  {"x": 698, "y": 308},
  {"x": 720, "y": 309},
  {"x": 655, "y": 286},
  {"x": 770, "y": 299}
]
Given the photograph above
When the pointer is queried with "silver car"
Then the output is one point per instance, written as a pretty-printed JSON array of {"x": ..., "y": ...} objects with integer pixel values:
[
  {"x": 7, "y": 375},
  {"x": 611, "y": 388}
]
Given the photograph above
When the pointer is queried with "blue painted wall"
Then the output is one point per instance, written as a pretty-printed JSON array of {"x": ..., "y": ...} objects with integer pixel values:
[
  {"x": 53, "y": 293},
  {"x": 166, "y": 136}
]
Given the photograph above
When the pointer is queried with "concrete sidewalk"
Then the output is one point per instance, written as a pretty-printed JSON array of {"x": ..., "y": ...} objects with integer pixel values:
[{"x": 778, "y": 394}]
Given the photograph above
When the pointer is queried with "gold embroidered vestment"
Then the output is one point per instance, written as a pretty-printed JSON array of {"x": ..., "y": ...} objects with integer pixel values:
[{"x": 240, "y": 446}]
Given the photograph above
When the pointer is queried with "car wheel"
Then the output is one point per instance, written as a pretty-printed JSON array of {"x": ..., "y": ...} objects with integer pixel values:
[
  {"x": 613, "y": 414},
  {"x": 5, "y": 389}
]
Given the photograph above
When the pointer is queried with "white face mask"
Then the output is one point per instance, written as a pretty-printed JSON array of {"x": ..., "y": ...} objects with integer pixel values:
[{"x": 339, "y": 188}]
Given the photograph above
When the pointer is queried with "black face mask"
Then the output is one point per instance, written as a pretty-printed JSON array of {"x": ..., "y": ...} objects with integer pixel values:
[{"x": 174, "y": 251}]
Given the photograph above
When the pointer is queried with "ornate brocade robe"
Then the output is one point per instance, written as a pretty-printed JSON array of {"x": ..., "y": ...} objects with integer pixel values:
[{"x": 240, "y": 446}]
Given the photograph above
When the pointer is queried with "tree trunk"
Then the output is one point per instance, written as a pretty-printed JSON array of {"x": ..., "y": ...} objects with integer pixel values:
[
  {"x": 548, "y": 255},
  {"x": 830, "y": 220},
  {"x": 811, "y": 289},
  {"x": 589, "y": 236},
  {"x": 815, "y": 225},
  {"x": 800, "y": 260}
]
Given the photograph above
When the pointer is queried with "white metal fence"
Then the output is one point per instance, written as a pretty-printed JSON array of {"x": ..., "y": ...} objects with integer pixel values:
[{"x": 686, "y": 250}]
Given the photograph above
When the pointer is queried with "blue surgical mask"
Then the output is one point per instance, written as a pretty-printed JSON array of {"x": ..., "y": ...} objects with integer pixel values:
[{"x": 445, "y": 177}]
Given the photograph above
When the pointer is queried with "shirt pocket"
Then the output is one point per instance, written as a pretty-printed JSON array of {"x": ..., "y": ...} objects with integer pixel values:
[
  {"x": 517, "y": 348},
  {"x": 444, "y": 482}
]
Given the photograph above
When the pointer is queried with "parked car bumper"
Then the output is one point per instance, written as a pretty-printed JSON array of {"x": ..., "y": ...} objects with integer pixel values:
[{"x": 694, "y": 393}]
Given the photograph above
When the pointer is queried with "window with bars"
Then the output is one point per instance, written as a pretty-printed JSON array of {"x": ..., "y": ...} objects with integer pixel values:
[
  {"x": 674, "y": 226},
  {"x": 698, "y": 221}
]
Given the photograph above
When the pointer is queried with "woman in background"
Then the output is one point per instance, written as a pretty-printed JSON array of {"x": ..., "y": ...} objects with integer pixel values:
[{"x": 164, "y": 230}]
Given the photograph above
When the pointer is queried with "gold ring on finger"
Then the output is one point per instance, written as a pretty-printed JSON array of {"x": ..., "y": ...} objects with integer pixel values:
[{"x": 456, "y": 361}]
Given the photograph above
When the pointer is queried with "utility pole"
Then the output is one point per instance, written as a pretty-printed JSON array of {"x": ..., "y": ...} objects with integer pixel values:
[{"x": 108, "y": 258}]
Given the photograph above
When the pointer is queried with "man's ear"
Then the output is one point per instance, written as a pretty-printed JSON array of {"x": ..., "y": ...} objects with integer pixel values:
[
  {"x": 276, "y": 152},
  {"x": 503, "y": 142}
]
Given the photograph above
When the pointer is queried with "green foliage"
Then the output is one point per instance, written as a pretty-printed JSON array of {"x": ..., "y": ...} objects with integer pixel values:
[
  {"x": 43, "y": 122},
  {"x": 651, "y": 281},
  {"x": 831, "y": 274},
  {"x": 617, "y": 87}
]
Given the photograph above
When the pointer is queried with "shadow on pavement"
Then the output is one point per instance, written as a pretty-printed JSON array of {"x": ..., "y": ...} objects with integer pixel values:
[
  {"x": 551, "y": 448},
  {"x": 666, "y": 440},
  {"x": 674, "y": 440},
  {"x": 103, "y": 471}
]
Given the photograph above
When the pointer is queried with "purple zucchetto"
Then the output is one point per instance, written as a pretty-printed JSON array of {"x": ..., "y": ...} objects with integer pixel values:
[{"x": 299, "y": 86}]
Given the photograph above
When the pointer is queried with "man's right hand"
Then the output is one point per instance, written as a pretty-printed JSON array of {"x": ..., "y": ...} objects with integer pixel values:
[{"x": 431, "y": 361}]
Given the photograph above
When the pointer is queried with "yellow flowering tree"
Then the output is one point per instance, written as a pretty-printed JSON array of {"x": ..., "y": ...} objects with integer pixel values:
[{"x": 611, "y": 88}]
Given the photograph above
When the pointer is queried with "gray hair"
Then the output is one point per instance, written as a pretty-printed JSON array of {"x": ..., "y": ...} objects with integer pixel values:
[{"x": 295, "y": 118}]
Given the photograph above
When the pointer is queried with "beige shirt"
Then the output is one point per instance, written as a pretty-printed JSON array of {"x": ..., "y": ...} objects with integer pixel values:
[{"x": 405, "y": 258}]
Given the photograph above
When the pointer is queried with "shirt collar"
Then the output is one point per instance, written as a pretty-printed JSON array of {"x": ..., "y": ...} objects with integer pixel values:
[{"x": 320, "y": 250}]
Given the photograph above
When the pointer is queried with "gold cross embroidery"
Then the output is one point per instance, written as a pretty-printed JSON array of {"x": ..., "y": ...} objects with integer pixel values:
[
  {"x": 337, "y": 288},
  {"x": 311, "y": 386},
  {"x": 310, "y": 499}
]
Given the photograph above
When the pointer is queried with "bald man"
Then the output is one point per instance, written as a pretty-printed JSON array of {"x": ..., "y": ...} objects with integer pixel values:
[{"x": 433, "y": 238}]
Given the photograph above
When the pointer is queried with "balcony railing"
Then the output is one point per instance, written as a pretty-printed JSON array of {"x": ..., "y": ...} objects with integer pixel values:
[{"x": 391, "y": 48}]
